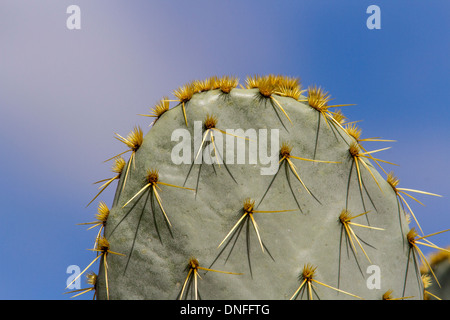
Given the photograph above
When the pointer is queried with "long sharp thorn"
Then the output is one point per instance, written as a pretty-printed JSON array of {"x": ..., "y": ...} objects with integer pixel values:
[
  {"x": 234, "y": 227},
  {"x": 281, "y": 108},
  {"x": 140, "y": 191},
  {"x": 184, "y": 114},
  {"x": 255, "y": 226},
  {"x": 160, "y": 205}
]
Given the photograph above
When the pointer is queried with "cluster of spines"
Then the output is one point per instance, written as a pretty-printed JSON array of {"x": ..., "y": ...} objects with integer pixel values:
[{"x": 268, "y": 87}]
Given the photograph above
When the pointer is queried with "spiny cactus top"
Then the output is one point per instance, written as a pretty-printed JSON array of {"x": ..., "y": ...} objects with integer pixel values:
[{"x": 264, "y": 191}]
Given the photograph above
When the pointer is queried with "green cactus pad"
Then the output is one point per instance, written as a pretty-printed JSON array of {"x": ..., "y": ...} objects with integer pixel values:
[{"x": 191, "y": 230}]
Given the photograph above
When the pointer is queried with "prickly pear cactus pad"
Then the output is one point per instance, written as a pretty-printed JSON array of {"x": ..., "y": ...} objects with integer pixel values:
[
  {"x": 259, "y": 189},
  {"x": 436, "y": 279}
]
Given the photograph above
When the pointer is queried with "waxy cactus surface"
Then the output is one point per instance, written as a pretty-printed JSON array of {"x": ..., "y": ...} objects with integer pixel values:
[{"x": 255, "y": 190}]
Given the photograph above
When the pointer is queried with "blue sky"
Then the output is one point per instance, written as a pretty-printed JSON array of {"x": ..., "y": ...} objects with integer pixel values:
[{"x": 63, "y": 94}]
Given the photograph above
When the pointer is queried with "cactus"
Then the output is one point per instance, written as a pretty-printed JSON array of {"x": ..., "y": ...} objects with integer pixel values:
[
  {"x": 261, "y": 190},
  {"x": 436, "y": 275}
]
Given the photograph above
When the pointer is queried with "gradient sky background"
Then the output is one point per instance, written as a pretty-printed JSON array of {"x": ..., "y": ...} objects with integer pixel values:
[{"x": 63, "y": 94}]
